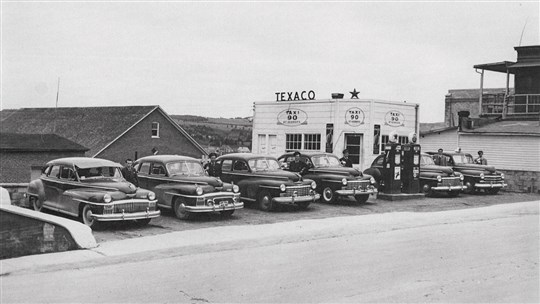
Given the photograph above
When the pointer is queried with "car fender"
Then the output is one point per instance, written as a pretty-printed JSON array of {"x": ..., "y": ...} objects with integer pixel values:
[{"x": 36, "y": 188}]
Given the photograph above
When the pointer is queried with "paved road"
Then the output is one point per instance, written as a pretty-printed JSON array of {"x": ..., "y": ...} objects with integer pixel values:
[
  {"x": 250, "y": 216},
  {"x": 475, "y": 255}
]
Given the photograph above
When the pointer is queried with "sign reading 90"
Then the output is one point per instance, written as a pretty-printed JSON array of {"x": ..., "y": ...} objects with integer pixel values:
[
  {"x": 394, "y": 119},
  {"x": 292, "y": 117},
  {"x": 354, "y": 117}
]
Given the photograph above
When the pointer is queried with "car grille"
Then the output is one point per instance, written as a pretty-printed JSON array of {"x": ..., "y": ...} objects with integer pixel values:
[
  {"x": 129, "y": 207},
  {"x": 216, "y": 201},
  {"x": 493, "y": 179},
  {"x": 357, "y": 185},
  {"x": 450, "y": 181},
  {"x": 299, "y": 190}
]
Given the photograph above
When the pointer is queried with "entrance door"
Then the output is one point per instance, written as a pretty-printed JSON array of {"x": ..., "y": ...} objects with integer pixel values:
[
  {"x": 262, "y": 144},
  {"x": 353, "y": 143},
  {"x": 272, "y": 143}
]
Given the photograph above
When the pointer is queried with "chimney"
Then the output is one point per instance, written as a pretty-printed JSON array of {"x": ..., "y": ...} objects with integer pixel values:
[{"x": 337, "y": 95}]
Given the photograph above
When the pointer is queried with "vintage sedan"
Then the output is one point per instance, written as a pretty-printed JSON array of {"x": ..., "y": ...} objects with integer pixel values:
[
  {"x": 262, "y": 181},
  {"x": 333, "y": 180},
  {"x": 477, "y": 177},
  {"x": 433, "y": 179},
  {"x": 181, "y": 184},
  {"x": 92, "y": 189}
]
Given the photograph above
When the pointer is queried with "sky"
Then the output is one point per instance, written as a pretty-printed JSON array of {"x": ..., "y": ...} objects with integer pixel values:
[{"x": 216, "y": 58}]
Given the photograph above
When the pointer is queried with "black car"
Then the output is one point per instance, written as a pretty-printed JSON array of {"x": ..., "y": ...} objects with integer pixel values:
[
  {"x": 262, "y": 181},
  {"x": 333, "y": 180}
]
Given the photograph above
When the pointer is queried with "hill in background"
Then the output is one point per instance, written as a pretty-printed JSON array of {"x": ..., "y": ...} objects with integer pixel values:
[{"x": 218, "y": 134}]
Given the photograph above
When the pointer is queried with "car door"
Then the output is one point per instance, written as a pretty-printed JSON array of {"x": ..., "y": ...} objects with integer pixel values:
[
  {"x": 156, "y": 177},
  {"x": 68, "y": 181},
  {"x": 226, "y": 167},
  {"x": 143, "y": 171},
  {"x": 51, "y": 186}
]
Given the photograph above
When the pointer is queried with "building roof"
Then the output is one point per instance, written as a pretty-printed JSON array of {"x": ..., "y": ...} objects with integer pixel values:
[
  {"x": 434, "y": 127},
  {"x": 37, "y": 143},
  {"x": 507, "y": 127},
  {"x": 93, "y": 127},
  {"x": 474, "y": 93}
]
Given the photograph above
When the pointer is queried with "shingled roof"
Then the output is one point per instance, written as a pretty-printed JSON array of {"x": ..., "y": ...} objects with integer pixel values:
[
  {"x": 92, "y": 127},
  {"x": 37, "y": 142},
  {"x": 507, "y": 127}
]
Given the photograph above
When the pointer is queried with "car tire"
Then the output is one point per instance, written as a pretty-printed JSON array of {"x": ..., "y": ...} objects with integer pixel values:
[
  {"x": 361, "y": 199},
  {"x": 265, "y": 201},
  {"x": 35, "y": 203},
  {"x": 328, "y": 195},
  {"x": 227, "y": 213},
  {"x": 470, "y": 187},
  {"x": 426, "y": 189},
  {"x": 180, "y": 210},
  {"x": 86, "y": 217}
]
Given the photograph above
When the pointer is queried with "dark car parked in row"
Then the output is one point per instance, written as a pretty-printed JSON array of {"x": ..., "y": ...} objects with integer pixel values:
[
  {"x": 181, "y": 184},
  {"x": 433, "y": 178},
  {"x": 333, "y": 180},
  {"x": 477, "y": 177},
  {"x": 261, "y": 180},
  {"x": 92, "y": 189}
]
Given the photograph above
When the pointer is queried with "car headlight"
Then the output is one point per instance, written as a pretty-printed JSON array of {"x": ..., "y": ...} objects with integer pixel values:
[
  {"x": 282, "y": 188},
  {"x": 502, "y": 175},
  {"x": 461, "y": 177},
  {"x": 151, "y": 196},
  {"x": 481, "y": 175},
  {"x": 344, "y": 181},
  {"x": 372, "y": 180},
  {"x": 439, "y": 178},
  {"x": 235, "y": 188},
  {"x": 313, "y": 185},
  {"x": 199, "y": 191},
  {"x": 107, "y": 198}
]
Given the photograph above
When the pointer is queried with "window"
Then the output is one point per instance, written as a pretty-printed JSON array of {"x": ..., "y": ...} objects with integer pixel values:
[
  {"x": 226, "y": 165},
  {"x": 155, "y": 130},
  {"x": 144, "y": 168},
  {"x": 54, "y": 172},
  {"x": 401, "y": 140},
  {"x": 240, "y": 166},
  {"x": 312, "y": 142},
  {"x": 158, "y": 169},
  {"x": 67, "y": 173},
  {"x": 293, "y": 142}
]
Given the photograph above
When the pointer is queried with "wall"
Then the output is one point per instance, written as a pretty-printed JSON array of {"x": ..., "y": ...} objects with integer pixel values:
[
  {"x": 138, "y": 140},
  {"x": 447, "y": 140},
  {"x": 16, "y": 167},
  {"x": 16, "y": 192},
  {"x": 452, "y": 106},
  {"x": 522, "y": 181}
]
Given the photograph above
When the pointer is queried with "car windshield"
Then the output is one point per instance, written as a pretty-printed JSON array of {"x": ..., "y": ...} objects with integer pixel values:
[
  {"x": 263, "y": 164},
  {"x": 99, "y": 173},
  {"x": 185, "y": 168},
  {"x": 325, "y": 161},
  {"x": 463, "y": 159},
  {"x": 426, "y": 160}
]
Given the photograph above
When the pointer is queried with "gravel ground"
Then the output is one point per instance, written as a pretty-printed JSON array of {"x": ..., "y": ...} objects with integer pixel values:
[{"x": 348, "y": 207}]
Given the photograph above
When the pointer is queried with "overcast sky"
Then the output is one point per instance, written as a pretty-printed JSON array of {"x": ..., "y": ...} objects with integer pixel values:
[{"x": 217, "y": 58}]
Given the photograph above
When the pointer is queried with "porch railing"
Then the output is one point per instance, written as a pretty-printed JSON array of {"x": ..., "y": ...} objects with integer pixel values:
[{"x": 517, "y": 104}]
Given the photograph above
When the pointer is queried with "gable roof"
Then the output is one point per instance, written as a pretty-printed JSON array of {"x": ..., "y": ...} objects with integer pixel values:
[
  {"x": 37, "y": 142},
  {"x": 94, "y": 127}
]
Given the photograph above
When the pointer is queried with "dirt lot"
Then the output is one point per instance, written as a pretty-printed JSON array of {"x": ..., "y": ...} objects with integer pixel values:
[{"x": 250, "y": 216}]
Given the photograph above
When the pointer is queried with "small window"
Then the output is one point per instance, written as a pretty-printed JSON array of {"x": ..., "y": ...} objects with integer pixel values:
[
  {"x": 54, "y": 172},
  {"x": 67, "y": 173},
  {"x": 293, "y": 142},
  {"x": 240, "y": 166},
  {"x": 155, "y": 130},
  {"x": 144, "y": 168},
  {"x": 158, "y": 169},
  {"x": 312, "y": 142},
  {"x": 226, "y": 165}
]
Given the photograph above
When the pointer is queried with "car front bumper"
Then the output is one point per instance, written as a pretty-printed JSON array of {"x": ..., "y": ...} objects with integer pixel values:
[
  {"x": 215, "y": 208},
  {"x": 489, "y": 186},
  {"x": 291, "y": 200},
  {"x": 126, "y": 216},
  {"x": 350, "y": 192},
  {"x": 449, "y": 188}
]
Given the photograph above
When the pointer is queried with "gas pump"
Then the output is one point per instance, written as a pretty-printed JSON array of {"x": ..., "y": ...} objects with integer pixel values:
[
  {"x": 392, "y": 166},
  {"x": 411, "y": 166}
]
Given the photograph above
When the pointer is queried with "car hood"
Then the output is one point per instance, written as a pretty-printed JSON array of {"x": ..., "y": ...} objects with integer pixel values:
[
  {"x": 281, "y": 174},
  {"x": 437, "y": 169},
  {"x": 122, "y": 186},
  {"x": 345, "y": 171},
  {"x": 212, "y": 181},
  {"x": 485, "y": 168}
]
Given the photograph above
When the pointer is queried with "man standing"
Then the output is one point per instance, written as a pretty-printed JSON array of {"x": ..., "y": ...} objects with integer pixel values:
[
  {"x": 212, "y": 167},
  {"x": 481, "y": 160},
  {"x": 297, "y": 165},
  {"x": 439, "y": 158},
  {"x": 129, "y": 173},
  {"x": 345, "y": 161}
]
